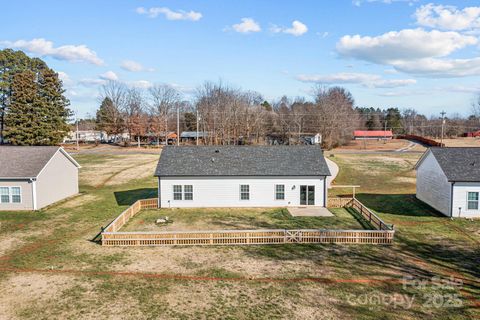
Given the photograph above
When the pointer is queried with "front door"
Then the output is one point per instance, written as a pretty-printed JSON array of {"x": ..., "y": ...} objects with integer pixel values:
[{"x": 307, "y": 195}]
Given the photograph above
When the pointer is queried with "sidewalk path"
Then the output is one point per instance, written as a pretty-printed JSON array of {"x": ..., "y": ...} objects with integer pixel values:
[{"x": 333, "y": 170}]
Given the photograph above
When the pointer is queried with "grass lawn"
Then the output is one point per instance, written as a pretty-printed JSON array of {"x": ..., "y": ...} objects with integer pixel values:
[
  {"x": 50, "y": 268},
  {"x": 234, "y": 218}
]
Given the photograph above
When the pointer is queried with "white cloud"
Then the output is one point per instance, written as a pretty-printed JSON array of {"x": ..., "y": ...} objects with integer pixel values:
[
  {"x": 88, "y": 82},
  {"x": 297, "y": 29},
  {"x": 170, "y": 14},
  {"x": 414, "y": 51},
  {"x": 134, "y": 66},
  {"x": 141, "y": 84},
  {"x": 358, "y": 3},
  {"x": 448, "y": 17},
  {"x": 247, "y": 25},
  {"x": 65, "y": 78},
  {"x": 109, "y": 75},
  {"x": 364, "y": 79},
  {"x": 44, "y": 48},
  {"x": 407, "y": 44}
]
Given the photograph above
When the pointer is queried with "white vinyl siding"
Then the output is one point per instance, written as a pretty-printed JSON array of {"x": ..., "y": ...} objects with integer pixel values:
[
  {"x": 466, "y": 199},
  {"x": 433, "y": 186},
  {"x": 224, "y": 191}
]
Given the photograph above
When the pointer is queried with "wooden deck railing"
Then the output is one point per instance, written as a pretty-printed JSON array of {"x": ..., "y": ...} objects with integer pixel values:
[
  {"x": 246, "y": 237},
  {"x": 337, "y": 202}
]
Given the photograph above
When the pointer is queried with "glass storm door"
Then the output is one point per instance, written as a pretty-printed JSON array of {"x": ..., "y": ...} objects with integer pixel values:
[{"x": 307, "y": 195}]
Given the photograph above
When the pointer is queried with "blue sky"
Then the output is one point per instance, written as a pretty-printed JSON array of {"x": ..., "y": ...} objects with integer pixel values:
[{"x": 388, "y": 53}]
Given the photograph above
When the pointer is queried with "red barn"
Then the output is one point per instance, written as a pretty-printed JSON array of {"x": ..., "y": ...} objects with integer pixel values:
[{"x": 372, "y": 134}]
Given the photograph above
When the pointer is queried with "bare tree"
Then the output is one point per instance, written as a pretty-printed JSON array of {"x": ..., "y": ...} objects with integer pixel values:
[{"x": 163, "y": 100}]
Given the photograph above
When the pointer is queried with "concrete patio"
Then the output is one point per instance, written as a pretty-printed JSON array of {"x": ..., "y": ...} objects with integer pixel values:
[{"x": 310, "y": 212}]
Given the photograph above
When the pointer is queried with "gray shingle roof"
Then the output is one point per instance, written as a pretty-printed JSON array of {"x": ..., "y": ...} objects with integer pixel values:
[
  {"x": 242, "y": 161},
  {"x": 24, "y": 162},
  {"x": 459, "y": 164}
]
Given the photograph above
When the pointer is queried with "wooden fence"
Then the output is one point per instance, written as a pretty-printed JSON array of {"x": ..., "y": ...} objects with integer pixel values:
[
  {"x": 135, "y": 208},
  {"x": 383, "y": 235},
  {"x": 246, "y": 237}
]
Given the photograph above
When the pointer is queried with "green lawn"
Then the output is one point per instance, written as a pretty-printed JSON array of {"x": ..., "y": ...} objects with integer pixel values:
[
  {"x": 50, "y": 268},
  {"x": 232, "y": 218}
]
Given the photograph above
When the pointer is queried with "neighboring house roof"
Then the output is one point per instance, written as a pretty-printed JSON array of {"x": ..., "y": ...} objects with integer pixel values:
[
  {"x": 193, "y": 134},
  {"x": 372, "y": 133},
  {"x": 242, "y": 161},
  {"x": 27, "y": 162},
  {"x": 458, "y": 164}
]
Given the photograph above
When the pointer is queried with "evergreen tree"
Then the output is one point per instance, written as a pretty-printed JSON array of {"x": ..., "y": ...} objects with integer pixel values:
[
  {"x": 190, "y": 121},
  {"x": 109, "y": 118},
  {"x": 11, "y": 63},
  {"x": 22, "y": 118}
]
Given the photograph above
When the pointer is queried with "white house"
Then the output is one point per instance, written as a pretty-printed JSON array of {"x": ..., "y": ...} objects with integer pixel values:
[
  {"x": 448, "y": 179},
  {"x": 241, "y": 176},
  {"x": 34, "y": 177}
]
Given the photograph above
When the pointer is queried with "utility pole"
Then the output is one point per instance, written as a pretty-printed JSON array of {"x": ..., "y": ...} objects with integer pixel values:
[
  {"x": 76, "y": 130},
  {"x": 178, "y": 125},
  {"x": 197, "y": 128},
  {"x": 385, "y": 132},
  {"x": 443, "y": 113}
]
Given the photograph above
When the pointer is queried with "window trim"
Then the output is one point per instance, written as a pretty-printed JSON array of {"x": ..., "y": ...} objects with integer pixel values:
[
  {"x": 278, "y": 192},
  {"x": 177, "y": 192},
  {"x": 474, "y": 201},
  {"x": 245, "y": 192},
  {"x": 10, "y": 195},
  {"x": 185, "y": 192}
]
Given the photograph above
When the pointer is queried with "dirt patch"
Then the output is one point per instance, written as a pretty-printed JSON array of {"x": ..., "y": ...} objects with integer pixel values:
[{"x": 22, "y": 291}]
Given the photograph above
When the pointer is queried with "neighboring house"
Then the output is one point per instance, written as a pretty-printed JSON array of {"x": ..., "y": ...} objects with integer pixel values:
[
  {"x": 372, "y": 134},
  {"x": 312, "y": 139},
  {"x": 242, "y": 176},
  {"x": 191, "y": 136},
  {"x": 448, "y": 179},
  {"x": 472, "y": 134},
  {"x": 34, "y": 177},
  {"x": 86, "y": 136}
]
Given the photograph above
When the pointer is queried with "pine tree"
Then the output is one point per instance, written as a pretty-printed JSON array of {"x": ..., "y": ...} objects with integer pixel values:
[
  {"x": 109, "y": 117},
  {"x": 21, "y": 120}
]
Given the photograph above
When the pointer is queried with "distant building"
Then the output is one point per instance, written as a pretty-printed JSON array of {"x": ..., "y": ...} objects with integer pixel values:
[
  {"x": 312, "y": 139},
  {"x": 86, "y": 136},
  {"x": 372, "y": 134},
  {"x": 191, "y": 136},
  {"x": 448, "y": 179},
  {"x": 32, "y": 178},
  {"x": 473, "y": 134}
]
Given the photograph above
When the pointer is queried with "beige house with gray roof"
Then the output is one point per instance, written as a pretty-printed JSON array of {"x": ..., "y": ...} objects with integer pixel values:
[{"x": 32, "y": 178}]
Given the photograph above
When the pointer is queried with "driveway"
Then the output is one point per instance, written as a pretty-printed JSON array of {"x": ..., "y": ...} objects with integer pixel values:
[{"x": 333, "y": 170}]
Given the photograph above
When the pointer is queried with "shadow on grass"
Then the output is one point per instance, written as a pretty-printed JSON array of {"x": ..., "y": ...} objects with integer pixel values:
[
  {"x": 398, "y": 204},
  {"x": 128, "y": 197}
]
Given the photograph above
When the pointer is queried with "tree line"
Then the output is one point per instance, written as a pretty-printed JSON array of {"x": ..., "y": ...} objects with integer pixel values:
[{"x": 35, "y": 111}]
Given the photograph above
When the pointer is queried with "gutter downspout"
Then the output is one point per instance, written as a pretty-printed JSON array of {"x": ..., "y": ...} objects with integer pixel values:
[
  {"x": 159, "y": 195},
  {"x": 34, "y": 193},
  {"x": 451, "y": 199}
]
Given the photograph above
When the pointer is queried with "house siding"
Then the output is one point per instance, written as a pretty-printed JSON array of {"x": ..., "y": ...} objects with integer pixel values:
[
  {"x": 225, "y": 191},
  {"x": 433, "y": 186},
  {"x": 26, "y": 193},
  {"x": 58, "y": 180},
  {"x": 460, "y": 192}
]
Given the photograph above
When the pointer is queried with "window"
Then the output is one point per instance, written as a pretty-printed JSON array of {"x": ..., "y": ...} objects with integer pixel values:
[
  {"x": 472, "y": 201},
  {"x": 177, "y": 192},
  {"x": 280, "y": 192},
  {"x": 244, "y": 192},
  {"x": 4, "y": 195},
  {"x": 188, "y": 192},
  {"x": 16, "y": 195},
  {"x": 10, "y": 195}
]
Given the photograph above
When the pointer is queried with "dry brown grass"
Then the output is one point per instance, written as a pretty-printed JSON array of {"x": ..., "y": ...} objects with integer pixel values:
[
  {"x": 374, "y": 145},
  {"x": 461, "y": 142}
]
